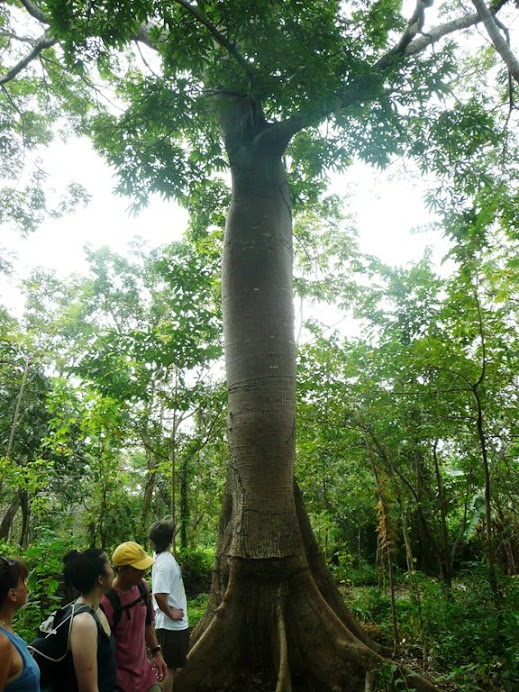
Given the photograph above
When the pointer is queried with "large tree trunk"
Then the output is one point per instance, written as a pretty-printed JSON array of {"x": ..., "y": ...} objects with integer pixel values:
[{"x": 275, "y": 615}]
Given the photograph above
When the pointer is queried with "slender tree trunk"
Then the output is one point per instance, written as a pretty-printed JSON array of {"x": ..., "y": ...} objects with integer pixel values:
[
  {"x": 482, "y": 437},
  {"x": 16, "y": 415},
  {"x": 24, "y": 532},
  {"x": 184, "y": 502},
  {"x": 488, "y": 501},
  {"x": 17, "y": 407},
  {"x": 387, "y": 547},
  {"x": 415, "y": 588},
  {"x": 445, "y": 553},
  {"x": 150, "y": 446},
  {"x": 8, "y": 518},
  {"x": 173, "y": 500},
  {"x": 149, "y": 489}
]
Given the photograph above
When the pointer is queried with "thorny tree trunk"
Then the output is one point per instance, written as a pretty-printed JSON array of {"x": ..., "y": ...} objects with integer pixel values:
[{"x": 274, "y": 611}]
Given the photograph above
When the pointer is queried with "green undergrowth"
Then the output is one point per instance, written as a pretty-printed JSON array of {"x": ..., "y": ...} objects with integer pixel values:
[
  {"x": 196, "y": 608},
  {"x": 456, "y": 635}
]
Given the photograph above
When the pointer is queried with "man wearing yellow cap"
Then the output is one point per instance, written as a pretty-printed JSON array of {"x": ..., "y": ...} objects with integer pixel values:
[{"x": 129, "y": 611}]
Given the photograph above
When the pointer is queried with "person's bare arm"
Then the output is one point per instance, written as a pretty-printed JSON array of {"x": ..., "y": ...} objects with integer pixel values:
[
  {"x": 150, "y": 637},
  {"x": 170, "y": 611},
  {"x": 5, "y": 656},
  {"x": 83, "y": 644}
]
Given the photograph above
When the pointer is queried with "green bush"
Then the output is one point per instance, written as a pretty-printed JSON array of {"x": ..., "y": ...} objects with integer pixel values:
[
  {"x": 345, "y": 569},
  {"x": 462, "y": 624},
  {"x": 46, "y": 592},
  {"x": 464, "y": 633},
  {"x": 196, "y": 608},
  {"x": 196, "y": 568},
  {"x": 372, "y": 608}
]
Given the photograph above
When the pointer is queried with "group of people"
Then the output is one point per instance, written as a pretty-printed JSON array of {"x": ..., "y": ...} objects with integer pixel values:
[{"x": 117, "y": 623}]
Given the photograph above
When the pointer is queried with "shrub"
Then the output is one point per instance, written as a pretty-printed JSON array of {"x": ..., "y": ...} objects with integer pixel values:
[
  {"x": 196, "y": 608},
  {"x": 196, "y": 568},
  {"x": 346, "y": 569},
  {"x": 46, "y": 592}
]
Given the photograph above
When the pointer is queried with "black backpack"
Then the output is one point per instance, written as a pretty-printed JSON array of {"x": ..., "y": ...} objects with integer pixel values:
[
  {"x": 118, "y": 608},
  {"x": 50, "y": 648}
]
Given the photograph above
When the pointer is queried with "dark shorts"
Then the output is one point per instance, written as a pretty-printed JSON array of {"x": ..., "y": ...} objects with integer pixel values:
[{"x": 175, "y": 645}]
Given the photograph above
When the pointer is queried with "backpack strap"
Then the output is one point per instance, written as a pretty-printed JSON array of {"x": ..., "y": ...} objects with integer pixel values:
[
  {"x": 145, "y": 596},
  {"x": 52, "y": 640},
  {"x": 118, "y": 607}
]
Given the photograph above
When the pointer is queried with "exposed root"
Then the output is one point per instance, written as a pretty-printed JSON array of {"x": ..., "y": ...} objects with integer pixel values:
[
  {"x": 275, "y": 625},
  {"x": 324, "y": 582},
  {"x": 284, "y": 679},
  {"x": 214, "y": 657},
  {"x": 281, "y": 622}
]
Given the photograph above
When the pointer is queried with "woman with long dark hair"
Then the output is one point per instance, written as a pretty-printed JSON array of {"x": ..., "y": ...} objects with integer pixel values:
[
  {"x": 91, "y": 667},
  {"x": 18, "y": 670}
]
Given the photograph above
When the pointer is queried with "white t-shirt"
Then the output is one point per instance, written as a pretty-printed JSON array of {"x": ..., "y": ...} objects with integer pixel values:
[{"x": 166, "y": 577}]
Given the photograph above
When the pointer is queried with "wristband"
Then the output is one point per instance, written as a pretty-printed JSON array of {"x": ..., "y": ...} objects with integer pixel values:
[{"x": 156, "y": 650}]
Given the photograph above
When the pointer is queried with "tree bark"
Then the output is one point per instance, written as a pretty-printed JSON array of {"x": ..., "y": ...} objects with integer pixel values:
[
  {"x": 8, "y": 518},
  {"x": 274, "y": 612},
  {"x": 26, "y": 511}
]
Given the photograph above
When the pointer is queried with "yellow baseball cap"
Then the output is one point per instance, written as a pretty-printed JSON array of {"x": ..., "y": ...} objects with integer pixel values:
[{"x": 131, "y": 553}]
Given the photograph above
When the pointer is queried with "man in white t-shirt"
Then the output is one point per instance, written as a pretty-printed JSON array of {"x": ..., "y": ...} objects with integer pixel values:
[{"x": 169, "y": 601}]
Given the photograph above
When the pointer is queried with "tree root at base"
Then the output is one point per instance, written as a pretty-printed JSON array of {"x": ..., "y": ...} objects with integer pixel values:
[{"x": 280, "y": 629}]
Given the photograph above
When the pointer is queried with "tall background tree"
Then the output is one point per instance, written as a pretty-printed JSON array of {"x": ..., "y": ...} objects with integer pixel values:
[{"x": 281, "y": 93}]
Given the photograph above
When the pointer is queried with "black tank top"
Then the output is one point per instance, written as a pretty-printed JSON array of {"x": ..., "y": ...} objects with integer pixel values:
[{"x": 106, "y": 666}]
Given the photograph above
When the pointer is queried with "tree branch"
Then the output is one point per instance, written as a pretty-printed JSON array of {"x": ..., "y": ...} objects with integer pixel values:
[
  {"x": 438, "y": 32},
  {"x": 410, "y": 44},
  {"x": 40, "y": 45},
  {"x": 417, "y": 45},
  {"x": 143, "y": 36},
  {"x": 218, "y": 36},
  {"x": 414, "y": 26},
  {"x": 501, "y": 45},
  {"x": 35, "y": 11}
]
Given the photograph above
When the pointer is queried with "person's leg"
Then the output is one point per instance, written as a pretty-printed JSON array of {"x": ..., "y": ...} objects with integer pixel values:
[
  {"x": 175, "y": 645},
  {"x": 167, "y": 683},
  {"x": 166, "y": 640}
]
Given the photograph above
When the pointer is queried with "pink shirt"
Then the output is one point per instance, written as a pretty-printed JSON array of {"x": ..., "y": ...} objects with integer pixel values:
[{"x": 134, "y": 671}]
